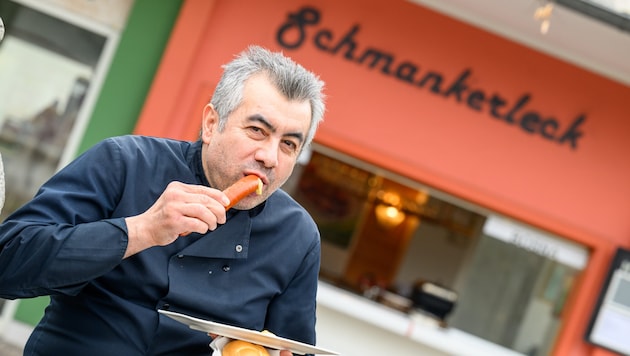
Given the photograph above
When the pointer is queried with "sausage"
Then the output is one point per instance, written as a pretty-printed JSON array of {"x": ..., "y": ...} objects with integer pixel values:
[
  {"x": 239, "y": 190},
  {"x": 242, "y": 188}
]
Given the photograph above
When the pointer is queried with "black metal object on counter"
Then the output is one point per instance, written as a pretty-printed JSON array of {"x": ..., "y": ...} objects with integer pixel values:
[{"x": 434, "y": 299}]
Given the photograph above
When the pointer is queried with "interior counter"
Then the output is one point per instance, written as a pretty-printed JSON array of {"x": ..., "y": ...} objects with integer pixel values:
[{"x": 354, "y": 325}]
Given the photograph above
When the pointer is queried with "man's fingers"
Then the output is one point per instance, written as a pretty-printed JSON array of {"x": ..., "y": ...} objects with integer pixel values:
[
  {"x": 200, "y": 192},
  {"x": 211, "y": 213},
  {"x": 193, "y": 208}
]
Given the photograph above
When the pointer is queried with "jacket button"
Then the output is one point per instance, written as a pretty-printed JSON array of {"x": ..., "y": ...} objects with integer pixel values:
[
  {"x": 239, "y": 248},
  {"x": 226, "y": 268}
]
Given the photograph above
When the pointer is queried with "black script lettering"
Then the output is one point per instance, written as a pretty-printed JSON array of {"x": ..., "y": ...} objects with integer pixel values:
[
  {"x": 347, "y": 40},
  {"x": 432, "y": 76},
  {"x": 377, "y": 56},
  {"x": 318, "y": 40},
  {"x": 546, "y": 133},
  {"x": 306, "y": 16},
  {"x": 475, "y": 99},
  {"x": 530, "y": 121},
  {"x": 458, "y": 87},
  {"x": 496, "y": 102},
  {"x": 293, "y": 34},
  {"x": 519, "y": 104},
  {"x": 572, "y": 134},
  {"x": 406, "y": 71}
]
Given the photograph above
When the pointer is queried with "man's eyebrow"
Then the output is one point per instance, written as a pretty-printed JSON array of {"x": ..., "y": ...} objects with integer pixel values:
[{"x": 261, "y": 119}]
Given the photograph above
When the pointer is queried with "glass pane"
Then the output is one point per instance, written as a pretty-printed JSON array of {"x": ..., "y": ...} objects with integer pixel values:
[
  {"x": 512, "y": 297},
  {"x": 46, "y": 66},
  {"x": 437, "y": 257}
]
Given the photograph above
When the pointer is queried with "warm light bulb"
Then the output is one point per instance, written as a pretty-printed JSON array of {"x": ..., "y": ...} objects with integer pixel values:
[
  {"x": 389, "y": 216},
  {"x": 391, "y": 212}
]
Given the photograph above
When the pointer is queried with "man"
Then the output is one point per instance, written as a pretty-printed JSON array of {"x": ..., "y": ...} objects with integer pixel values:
[{"x": 137, "y": 224}]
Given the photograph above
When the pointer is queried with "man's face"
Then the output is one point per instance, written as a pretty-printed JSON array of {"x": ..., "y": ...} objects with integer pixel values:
[{"x": 263, "y": 136}]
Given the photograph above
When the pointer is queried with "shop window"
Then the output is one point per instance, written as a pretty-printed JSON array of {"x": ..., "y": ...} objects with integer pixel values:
[
  {"x": 428, "y": 254},
  {"x": 515, "y": 285},
  {"x": 52, "y": 59},
  {"x": 46, "y": 68}
]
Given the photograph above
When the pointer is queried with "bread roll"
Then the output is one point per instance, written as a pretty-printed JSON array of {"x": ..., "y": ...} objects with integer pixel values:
[{"x": 243, "y": 348}]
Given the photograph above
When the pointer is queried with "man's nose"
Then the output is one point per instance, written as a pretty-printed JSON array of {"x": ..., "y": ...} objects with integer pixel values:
[{"x": 267, "y": 153}]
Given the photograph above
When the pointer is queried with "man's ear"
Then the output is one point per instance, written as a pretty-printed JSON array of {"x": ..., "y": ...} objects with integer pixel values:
[{"x": 209, "y": 122}]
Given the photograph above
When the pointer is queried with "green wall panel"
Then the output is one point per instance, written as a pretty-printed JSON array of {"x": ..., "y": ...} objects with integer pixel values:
[{"x": 132, "y": 70}]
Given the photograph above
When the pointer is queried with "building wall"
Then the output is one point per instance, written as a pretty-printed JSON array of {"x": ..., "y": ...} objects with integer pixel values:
[
  {"x": 122, "y": 95},
  {"x": 440, "y": 102}
]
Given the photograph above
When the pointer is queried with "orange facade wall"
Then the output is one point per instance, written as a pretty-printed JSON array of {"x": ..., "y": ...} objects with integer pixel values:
[{"x": 556, "y": 161}]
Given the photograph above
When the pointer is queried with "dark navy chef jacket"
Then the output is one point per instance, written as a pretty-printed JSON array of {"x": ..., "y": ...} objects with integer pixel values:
[{"x": 258, "y": 271}]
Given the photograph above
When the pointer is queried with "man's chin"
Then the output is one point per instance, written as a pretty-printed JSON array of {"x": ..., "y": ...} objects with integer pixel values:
[{"x": 249, "y": 202}]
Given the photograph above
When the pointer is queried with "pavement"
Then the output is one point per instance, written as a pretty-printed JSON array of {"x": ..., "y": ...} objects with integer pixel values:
[{"x": 9, "y": 349}]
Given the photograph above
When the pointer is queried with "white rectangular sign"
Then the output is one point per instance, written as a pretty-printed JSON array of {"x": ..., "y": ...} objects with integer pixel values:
[{"x": 554, "y": 248}]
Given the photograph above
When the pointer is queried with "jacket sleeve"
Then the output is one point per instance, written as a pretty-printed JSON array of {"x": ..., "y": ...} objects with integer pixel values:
[
  {"x": 292, "y": 313},
  {"x": 65, "y": 236}
]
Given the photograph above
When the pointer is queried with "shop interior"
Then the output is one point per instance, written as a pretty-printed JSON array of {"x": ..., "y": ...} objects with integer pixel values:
[{"x": 412, "y": 248}]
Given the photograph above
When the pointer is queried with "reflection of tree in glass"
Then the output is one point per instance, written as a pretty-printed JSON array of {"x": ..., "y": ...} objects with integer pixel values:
[{"x": 36, "y": 143}]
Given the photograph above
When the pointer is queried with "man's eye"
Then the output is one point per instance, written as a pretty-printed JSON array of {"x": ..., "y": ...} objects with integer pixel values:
[
  {"x": 256, "y": 130},
  {"x": 291, "y": 145}
]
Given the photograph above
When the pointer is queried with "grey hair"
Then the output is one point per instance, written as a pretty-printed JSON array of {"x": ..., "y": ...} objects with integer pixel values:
[{"x": 292, "y": 80}]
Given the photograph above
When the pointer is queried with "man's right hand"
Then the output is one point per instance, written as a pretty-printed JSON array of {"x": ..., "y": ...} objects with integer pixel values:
[{"x": 181, "y": 209}]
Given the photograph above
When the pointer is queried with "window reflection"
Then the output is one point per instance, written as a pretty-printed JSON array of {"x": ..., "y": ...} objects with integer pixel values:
[
  {"x": 46, "y": 66},
  {"x": 445, "y": 259}
]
